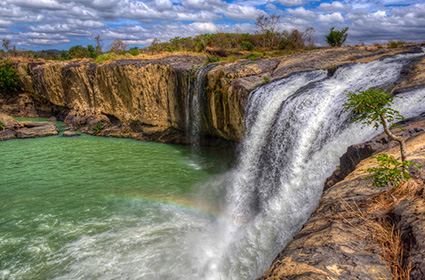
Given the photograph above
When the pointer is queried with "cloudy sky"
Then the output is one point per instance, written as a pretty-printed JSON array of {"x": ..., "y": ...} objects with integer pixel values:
[{"x": 59, "y": 24}]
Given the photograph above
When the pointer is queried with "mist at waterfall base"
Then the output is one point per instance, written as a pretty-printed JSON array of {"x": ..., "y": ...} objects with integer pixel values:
[{"x": 238, "y": 219}]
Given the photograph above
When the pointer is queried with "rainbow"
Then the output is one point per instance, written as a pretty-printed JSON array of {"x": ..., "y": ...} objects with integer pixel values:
[{"x": 180, "y": 204}]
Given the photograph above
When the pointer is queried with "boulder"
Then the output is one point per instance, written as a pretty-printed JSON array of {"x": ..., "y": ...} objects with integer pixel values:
[
  {"x": 9, "y": 122},
  {"x": 70, "y": 134},
  {"x": 37, "y": 129},
  {"x": 7, "y": 134}
]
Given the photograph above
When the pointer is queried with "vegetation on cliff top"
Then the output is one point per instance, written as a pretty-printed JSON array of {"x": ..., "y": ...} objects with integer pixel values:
[{"x": 9, "y": 80}]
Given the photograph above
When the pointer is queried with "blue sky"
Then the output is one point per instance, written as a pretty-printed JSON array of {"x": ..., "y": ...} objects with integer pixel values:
[{"x": 59, "y": 24}]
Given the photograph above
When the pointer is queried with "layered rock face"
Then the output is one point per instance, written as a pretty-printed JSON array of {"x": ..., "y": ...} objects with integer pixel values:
[
  {"x": 148, "y": 99},
  {"x": 144, "y": 98}
]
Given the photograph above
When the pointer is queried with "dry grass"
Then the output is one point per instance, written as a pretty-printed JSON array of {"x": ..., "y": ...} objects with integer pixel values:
[{"x": 377, "y": 225}]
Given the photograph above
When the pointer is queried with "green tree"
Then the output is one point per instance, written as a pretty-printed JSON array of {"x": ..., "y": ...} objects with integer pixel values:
[
  {"x": 78, "y": 52},
  {"x": 372, "y": 107},
  {"x": 336, "y": 38},
  {"x": 64, "y": 55},
  {"x": 91, "y": 51},
  {"x": 9, "y": 80}
]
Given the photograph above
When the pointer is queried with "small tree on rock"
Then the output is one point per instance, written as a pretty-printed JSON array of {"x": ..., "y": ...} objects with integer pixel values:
[
  {"x": 372, "y": 108},
  {"x": 336, "y": 38}
]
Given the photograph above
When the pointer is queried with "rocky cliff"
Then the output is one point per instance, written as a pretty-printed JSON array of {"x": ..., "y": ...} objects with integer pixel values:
[{"x": 148, "y": 99}]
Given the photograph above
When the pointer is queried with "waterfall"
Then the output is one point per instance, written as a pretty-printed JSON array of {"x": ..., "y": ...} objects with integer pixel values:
[
  {"x": 195, "y": 97},
  {"x": 296, "y": 130}
]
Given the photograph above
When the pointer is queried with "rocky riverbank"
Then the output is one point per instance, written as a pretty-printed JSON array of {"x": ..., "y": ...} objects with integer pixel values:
[
  {"x": 149, "y": 99},
  {"x": 359, "y": 231},
  {"x": 12, "y": 129}
]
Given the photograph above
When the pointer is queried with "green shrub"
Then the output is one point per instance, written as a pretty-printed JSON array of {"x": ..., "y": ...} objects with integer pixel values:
[
  {"x": 266, "y": 80},
  {"x": 390, "y": 171},
  {"x": 133, "y": 52},
  {"x": 392, "y": 44},
  {"x": 9, "y": 80},
  {"x": 212, "y": 59},
  {"x": 98, "y": 129},
  {"x": 105, "y": 57},
  {"x": 336, "y": 38},
  {"x": 253, "y": 56},
  {"x": 247, "y": 46},
  {"x": 1, "y": 125}
]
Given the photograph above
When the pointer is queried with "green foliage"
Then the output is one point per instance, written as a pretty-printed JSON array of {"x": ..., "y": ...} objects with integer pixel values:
[
  {"x": 98, "y": 129},
  {"x": 371, "y": 105},
  {"x": 27, "y": 70},
  {"x": 266, "y": 80},
  {"x": 211, "y": 59},
  {"x": 134, "y": 51},
  {"x": 78, "y": 52},
  {"x": 64, "y": 55},
  {"x": 390, "y": 171},
  {"x": 336, "y": 38},
  {"x": 247, "y": 46},
  {"x": 1, "y": 125},
  {"x": 9, "y": 80},
  {"x": 105, "y": 57},
  {"x": 91, "y": 51},
  {"x": 253, "y": 56},
  {"x": 395, "y": 44}
]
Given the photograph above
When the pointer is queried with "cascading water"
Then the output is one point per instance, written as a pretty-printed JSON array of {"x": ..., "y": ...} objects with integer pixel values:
[
  {"x": 296, "y": 130},
  {"x": 194, "y": 106}
]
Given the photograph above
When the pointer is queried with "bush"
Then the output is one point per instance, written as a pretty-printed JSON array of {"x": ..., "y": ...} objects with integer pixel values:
[
  {"x": 9, "y": 80},
  {"x": 247, "y": 46},
  {"x": 336, "y": 38},
  {"x": 253, "y": 56},
  {"x": 133, "y": 52},
  {"x": 211, "y": 59},
  {"x": 390, "y": 171},
  {"x": 98, "y": 129},
  {"x": 105, "y": 57},
  {"x": 1, "y": 125},
  {"x": 266, "y": 80},
  {"x": 392, "y": 44}
]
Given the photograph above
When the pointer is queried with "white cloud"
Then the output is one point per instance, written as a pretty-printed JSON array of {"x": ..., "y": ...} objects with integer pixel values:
[
  {"x": 203, "y": 27},
  {"x": 302, "y": 13},
  {"x": 39, "y": 4},
  {"x": 334, "y": 6},
  {"x": 331, "y": 18},
  {"x": 5, "y": 23},
  {"x": 294, "y": 2}
]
